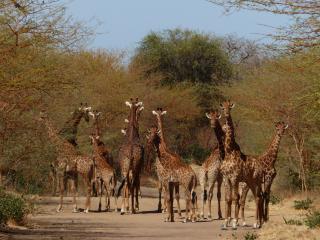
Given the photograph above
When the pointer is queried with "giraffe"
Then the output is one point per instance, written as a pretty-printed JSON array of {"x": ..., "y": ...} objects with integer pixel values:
[
  {"x": 210, "y": 172},
  {"x": 159, "y": 171},
  {"x": 105, "y": 172},
  {"x": 69, "y": 133},
  {"x": 130, "y": 158},
  {"x": 174, "y": 169},
  {"x": 237, "y": 168},
  {"x": 97, "y": 182},
  {"x": 69, "y": 160},
  {"x": 267, "y": 159}
]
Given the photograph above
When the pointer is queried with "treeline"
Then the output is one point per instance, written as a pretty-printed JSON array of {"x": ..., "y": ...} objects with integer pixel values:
[{"x": 43, "y": 65}]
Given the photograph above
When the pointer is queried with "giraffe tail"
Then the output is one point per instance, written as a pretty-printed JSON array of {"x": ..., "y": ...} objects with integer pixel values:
[{"x": 193, "y": 192}]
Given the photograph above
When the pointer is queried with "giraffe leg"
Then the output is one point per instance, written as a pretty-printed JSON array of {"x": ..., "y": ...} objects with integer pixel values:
[
  {"x": 168, "y": 203},
  {"x": 219, "y": 183},
  {"x": 228, "y": 201},
  {"x": 159, "y": 200},
  {"x": 124, "y": 198},
  {"x": 243, "y": 197},
  {"x": 204, "y": 194},
  {"x": 62, "y": 183},
  {"x": 235, "y": 199},
  {"x": 88, "y": 198},
  {"x": 74, "y": 195},
  {"x": 114, "y": 185},
  {"x": 210, "y": 201},
  {"x": 99, "y": 189},
  {"x": 177, "y": 196},
  {"x": 137, "y": 188},
  {"x": 188, "y": 203}
]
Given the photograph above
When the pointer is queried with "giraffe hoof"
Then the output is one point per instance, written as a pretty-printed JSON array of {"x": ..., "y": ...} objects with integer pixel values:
[
  {"x": 256, "y": 226},
  {"x": 121, "y": 213},
  {"x": 185, "y": 220},
  {"x": 224, "y": 227},
  {"x": 244, "y": 224},
  {"x": 115, "y": 210},
  {"x": 75, "y": 210},
  {"x": 85, "y": 211}
]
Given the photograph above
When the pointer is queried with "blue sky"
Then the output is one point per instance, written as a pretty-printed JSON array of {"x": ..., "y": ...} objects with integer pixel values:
[{"x": 123, "y": 23}]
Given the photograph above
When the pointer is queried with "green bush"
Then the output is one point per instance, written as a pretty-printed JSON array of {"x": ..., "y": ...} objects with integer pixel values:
[
  {"x": 293, "y": 222},
  {"x": 313, "y": 219},
  {"x": 274, "y": 199},
  {"x": 12, "y": 208},
  {"x": 302, "y": 204},
  {"x": 250, "y": 236}
]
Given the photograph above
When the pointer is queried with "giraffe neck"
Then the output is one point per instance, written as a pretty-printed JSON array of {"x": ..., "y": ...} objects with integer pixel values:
[
  {"x": 98, "y": 156},
  {"x": 96, "y": 127},
  {"x": 229, "y": 142},
  {"x": 270, "y": 156},
  {"x": 162, "y": 143},
  {"x": 133, "y": 132},
  {"x": 220, "y": 138},
  {"x": 161, "y": 150},
  {"x": 70, "y": 128}
]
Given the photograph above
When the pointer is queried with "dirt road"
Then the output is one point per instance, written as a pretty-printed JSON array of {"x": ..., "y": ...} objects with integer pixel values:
[{"x": 147, "y": 224}]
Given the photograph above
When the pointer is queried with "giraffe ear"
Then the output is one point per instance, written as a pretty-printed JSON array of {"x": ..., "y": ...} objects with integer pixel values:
[
  {"x": 286, "y": 126},
  {"x": 98, "y": 114},
  {"x": 126, "y": 121},
  {"x": 159, "y": 131},
  {"x": 164, "y": 112},
  {"x": 232, "y": 105},
  {"x": 123, "y": 132},
  {"x": 208, "y": 116},
  {"x": 221, "y": 106},
  {"x": 91, "y": 114},
  {"x": 219, "y": 116},
  {"x": 147, "y": 137},
  {"x": 155, "y": 113},
  {"x": 140, "y": 109},
  {"x": 128, "y": 104}
]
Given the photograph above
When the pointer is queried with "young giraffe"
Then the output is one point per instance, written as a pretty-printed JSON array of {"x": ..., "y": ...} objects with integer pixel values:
[
  {"x": 130, "y": 158},
  {"x": 174, "y": 170},
  {"x": 267, "y": 159},
  {"x": 69, "y": 132},
  {"x": 159, "y": 171},
  {"x": 210, "y": 172},
  {"x": 105, "y": 172},
  {"x": 101, "y": 152},
  {"x": 69, "y": 160},
  {"x": 237, "y": 168}
]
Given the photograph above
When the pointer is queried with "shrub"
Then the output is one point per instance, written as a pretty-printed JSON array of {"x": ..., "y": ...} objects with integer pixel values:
[
  {"x": 250, "y": 236},
  {"x": 302, "y": 204},
  {"x": 274, "y": 199},
  {"x": 293, "y": 222},
  {"x": 313, "y": 219},
  {"x": 12, "y": 208}
]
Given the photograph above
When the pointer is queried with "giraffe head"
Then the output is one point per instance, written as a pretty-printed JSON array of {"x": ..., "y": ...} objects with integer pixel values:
[
  {"x": 94, "y": 139},
  {"x": 226, "y": 107},
  {"x": 158, "y": 113},
  {"x": 153, "y": 135},
  {"x": 83, "y": 110},
  {"x": 136, "y": 108},
  {"x": 281, "y": 127},
  {"x": 95, "y": 114},
  {"x": 214, "y": 117}
]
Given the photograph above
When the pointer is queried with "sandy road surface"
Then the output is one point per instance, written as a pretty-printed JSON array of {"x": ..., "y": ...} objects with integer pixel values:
[{"x": 147, "y": 224}]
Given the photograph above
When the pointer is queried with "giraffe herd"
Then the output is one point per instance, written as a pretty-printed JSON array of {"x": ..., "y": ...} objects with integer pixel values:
[{"x": 226, "y": 163}]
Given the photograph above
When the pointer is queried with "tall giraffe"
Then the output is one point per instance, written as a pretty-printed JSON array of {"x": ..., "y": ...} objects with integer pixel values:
[
  {"x": 210, "y": 171},
  {"x": 104, "y": 153},
  {"x": 69, "y": 132},
  {"x": 160, "y": 172},
  {"x": 69, "y": 160},
  {"x": 174, "y": 169},
  {"x": 268, "y": 160},
  {"x": 130, "y": 158},
  {"x": 105, "y": 172},
  {"x": 237, "y": 168}
]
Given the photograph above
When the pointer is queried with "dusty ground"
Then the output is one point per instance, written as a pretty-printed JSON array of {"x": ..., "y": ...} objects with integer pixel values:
[{"x": 147, "y": 224}]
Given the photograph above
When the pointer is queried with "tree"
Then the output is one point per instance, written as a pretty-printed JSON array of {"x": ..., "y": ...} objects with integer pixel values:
[
  {"x": 305, "y": 19},
  {"x": 184, "y": 56}
]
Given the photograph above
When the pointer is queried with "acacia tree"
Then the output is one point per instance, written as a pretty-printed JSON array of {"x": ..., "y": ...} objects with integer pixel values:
[{"x": 303, "y": 32}]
